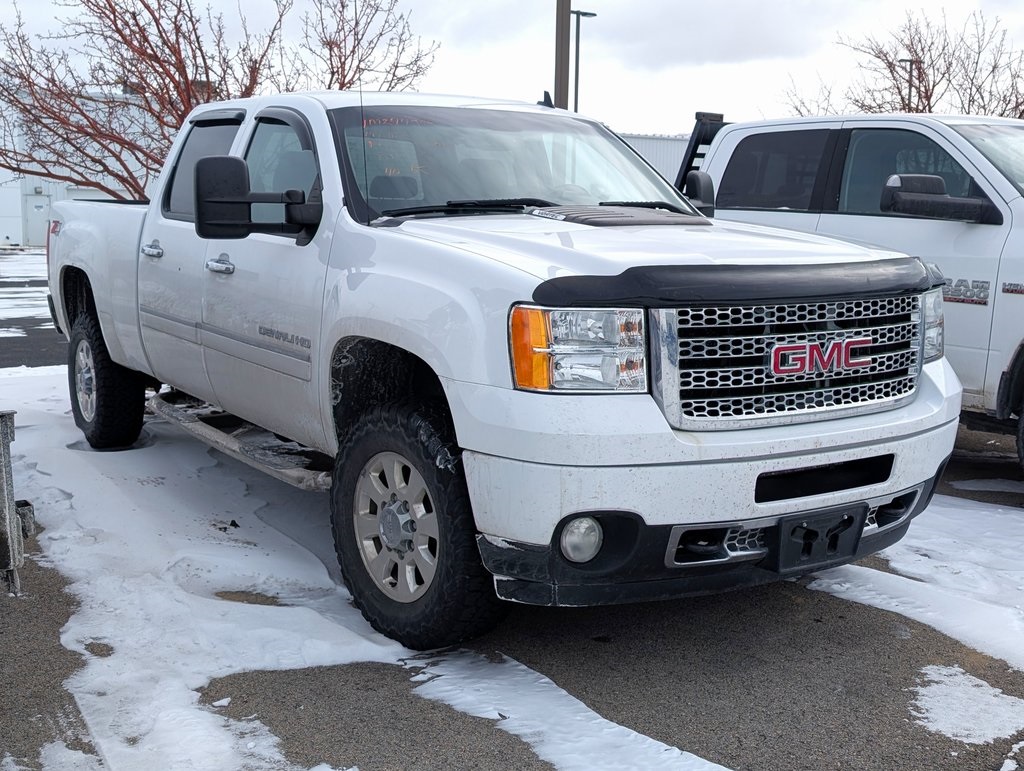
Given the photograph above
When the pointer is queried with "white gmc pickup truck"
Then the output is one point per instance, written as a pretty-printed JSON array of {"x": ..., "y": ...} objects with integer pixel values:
[
  {"x": 523, "y": 365},
  {"x": 947, "y": 189}
]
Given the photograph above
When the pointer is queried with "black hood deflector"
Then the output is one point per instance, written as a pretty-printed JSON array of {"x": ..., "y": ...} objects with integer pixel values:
[{"x": 654, "y": 286}]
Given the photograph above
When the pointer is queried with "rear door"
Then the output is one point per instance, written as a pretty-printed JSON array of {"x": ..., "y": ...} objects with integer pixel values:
[
  {"x": 171, "y": 261},
  {"x": 968, "y": 253},
  {"x": 262, "y": 296},
  {"x": 772, "y": 177}
]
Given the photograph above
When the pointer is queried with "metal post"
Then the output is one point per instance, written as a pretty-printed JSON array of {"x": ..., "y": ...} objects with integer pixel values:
[
  {"x": 910, "y": 81},
  {"x": 562, "y": 53},
  {"x": 16, "y": 517},
  {"x": 576, "y": 71}
]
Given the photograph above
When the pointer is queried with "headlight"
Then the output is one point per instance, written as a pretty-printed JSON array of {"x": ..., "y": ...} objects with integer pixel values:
[
  {"x": 574, "y": 349},
  {"x": 933, "y": 325}
]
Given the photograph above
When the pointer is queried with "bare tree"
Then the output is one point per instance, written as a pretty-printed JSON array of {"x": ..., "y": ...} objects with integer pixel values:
[
  {"x": 98, "y": 103},
  {"x": 385, "y": 56},
  {"x": 925, "y": 67}
]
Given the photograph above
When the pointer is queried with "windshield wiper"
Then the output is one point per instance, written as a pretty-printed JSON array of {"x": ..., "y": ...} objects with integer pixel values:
[
  {"x": 470, "y": 207},
  {"x": 647, "y": 205}
]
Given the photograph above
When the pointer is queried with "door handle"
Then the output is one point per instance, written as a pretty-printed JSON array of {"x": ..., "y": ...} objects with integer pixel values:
[
  {"x": 220, "y": 265},
  {"x": 153, "y": 249}
]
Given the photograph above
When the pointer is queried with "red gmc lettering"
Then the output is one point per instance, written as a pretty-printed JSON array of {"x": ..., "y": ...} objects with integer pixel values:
[{"x": 799, "y": 358}]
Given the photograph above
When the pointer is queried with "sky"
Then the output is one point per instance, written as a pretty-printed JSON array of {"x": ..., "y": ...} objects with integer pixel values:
[
  {"x": 163, "y": 580},
  {"x": 646, "y": 66}
]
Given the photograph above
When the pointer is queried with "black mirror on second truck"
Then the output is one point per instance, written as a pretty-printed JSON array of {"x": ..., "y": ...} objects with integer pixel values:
[
  {"x": 924, "y": 195},
  {"x": 700, "y": 191},
  {"x": 224, "y": 201}
]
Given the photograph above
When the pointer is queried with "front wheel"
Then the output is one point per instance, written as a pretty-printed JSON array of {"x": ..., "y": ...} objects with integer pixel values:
[
  {"x": 404, "y": 530},
  {"x": 107, "y": 400}
]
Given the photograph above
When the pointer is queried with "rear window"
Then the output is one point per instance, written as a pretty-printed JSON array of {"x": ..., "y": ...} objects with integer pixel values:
[
  {"x": 776, "y": 170},
  {"x": 203, "y": 139}
]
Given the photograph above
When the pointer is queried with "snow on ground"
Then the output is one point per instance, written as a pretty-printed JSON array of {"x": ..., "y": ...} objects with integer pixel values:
[
  {"x": 963, "y": 707},
  {"x": 150, "y": 539},
  {"x": 22, "y": 302},
  {"x": 961, "y": 573},
  {"x": 28, "y": 265}
]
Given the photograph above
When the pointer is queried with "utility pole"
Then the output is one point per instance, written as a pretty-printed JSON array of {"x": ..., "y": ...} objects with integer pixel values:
[
  {"x": 910, "y": 81},
  {"x": 562, "y": 19}
]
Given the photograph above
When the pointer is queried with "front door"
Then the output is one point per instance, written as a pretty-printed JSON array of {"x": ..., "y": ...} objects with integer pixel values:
[
  {"x": 262, "y": 296},
  {"x": 968, "y": 253}
]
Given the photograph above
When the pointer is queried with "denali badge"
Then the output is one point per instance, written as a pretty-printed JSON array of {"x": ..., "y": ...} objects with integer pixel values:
[{"x": 802, "y": 358}]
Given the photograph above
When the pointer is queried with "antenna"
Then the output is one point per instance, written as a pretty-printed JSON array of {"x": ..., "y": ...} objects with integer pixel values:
[{"x": 362, "y": 122}]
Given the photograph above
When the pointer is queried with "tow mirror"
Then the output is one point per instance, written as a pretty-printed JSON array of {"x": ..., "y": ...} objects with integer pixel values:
[
  {"x": 223, "y": 203},
  {"x": 924, "y": 195},
  {"x": 700, "y": 190},
  {"x": 222, "y": 197}
]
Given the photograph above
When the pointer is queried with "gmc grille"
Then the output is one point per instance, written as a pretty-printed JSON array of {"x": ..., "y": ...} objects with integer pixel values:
[{"x": 732, "y": 366}]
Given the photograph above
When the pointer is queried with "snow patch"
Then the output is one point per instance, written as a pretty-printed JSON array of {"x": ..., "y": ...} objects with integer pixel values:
[
  {"x": 1010, "y": 764},
  {"x": 29, "y": 265},
  {"x": 960, "y": 573},
  {"x": 560, "y": 728},
  {"x": 965, "y": 708}
]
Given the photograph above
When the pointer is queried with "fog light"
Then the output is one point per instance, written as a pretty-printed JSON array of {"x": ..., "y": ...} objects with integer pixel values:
[{"x": 581, "y": 539}]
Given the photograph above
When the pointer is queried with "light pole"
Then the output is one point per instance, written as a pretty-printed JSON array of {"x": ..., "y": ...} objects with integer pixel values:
[{"x": 576, "y": 76}]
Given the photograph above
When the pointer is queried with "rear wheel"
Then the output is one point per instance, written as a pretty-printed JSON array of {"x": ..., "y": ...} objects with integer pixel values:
[
  {"x": 107, "y": 400},
  {"x": 404, "y": 530}
]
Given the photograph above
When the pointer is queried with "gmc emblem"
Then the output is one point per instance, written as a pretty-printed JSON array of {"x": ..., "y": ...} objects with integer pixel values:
[{"x": 802, "y": 358}]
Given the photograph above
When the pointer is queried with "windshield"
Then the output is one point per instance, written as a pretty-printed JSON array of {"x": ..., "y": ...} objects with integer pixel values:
[
  {"x": 1002, "y": 144},
  {"x": 414, "y": 157}
]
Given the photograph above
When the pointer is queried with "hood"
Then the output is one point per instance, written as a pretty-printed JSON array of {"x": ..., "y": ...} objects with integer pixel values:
[{"x": 549, "y": 249}]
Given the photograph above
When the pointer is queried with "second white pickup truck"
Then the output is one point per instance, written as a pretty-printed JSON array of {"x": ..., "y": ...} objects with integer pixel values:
[
  {"x": 947, "y": 189},
  {"x": 522, "y": 364}
]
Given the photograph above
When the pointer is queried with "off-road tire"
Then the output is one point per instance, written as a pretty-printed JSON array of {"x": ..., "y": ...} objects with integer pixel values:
[
  {"x": 113, "y": 416},
  {"x": 459, "y": 601}
]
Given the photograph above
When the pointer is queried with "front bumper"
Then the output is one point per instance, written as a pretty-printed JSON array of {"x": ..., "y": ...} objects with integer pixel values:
[
  {"x": 524, "y": 502},
  {"x": 654, "y": 562}
]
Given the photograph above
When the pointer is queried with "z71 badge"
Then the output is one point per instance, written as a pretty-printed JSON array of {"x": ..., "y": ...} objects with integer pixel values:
[{"x": 961, "y": 290}]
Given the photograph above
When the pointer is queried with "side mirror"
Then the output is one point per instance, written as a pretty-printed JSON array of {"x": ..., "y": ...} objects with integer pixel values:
[
  {"x": 700, "y": 190},
  {"x": 223, "y": 203},
  {"x": 924, "y": 195},
  {"x": 222, "y": 197}
]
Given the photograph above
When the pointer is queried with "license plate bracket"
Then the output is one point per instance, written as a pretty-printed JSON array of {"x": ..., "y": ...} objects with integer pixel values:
[{"x": 812, "y": 541}]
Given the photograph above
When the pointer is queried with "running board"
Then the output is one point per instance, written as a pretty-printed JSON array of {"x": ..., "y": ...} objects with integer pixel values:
[{"x": 288, "y": 461}]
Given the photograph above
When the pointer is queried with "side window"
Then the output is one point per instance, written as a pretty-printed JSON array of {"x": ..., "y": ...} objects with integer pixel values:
[
  {"x": 278, "y": 162},
  {"x": 875, "y": 154},
  {"x": 203, "y": 139},
  {"x": 775, "y": 170}
]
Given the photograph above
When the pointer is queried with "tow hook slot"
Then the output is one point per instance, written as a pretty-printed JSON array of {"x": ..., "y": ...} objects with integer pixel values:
[
  {"x": 703, "y": 543},
  {"x": 693, "y": 547}
]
